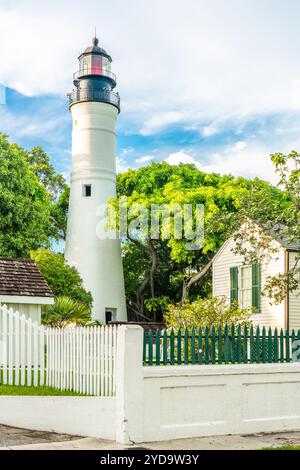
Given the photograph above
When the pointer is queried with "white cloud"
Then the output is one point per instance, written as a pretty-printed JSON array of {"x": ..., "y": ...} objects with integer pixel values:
[
  {"x": 238, "y": 159},
  {"x": 127, "y": 150},
  {"x": 208, "y": 66},
  {"x": 239, "y": 146},
  {"x": 42, "y": 123},
  {"x": 250, "y": 163},
  {"x": 190, "y": 62},
  {"x": 145, "y": 159},
  {"x": 121, "y": 165},
  {"x": 180, "y": 157},
  {"x": 159, "y": 122},
  {"x": 209, "y": 130}
]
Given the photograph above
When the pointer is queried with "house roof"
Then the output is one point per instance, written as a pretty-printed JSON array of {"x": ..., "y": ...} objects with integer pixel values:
[
  {"x": 278, "y": 232},
  {"x": 21, "y": 277}
]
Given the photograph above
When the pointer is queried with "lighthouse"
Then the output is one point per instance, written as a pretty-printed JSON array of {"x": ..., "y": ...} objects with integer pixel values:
[{"x": 95, "y": 253}]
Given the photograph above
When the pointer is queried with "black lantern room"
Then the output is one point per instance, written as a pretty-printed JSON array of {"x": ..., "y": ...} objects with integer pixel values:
[{"x": 94, "y": 80}]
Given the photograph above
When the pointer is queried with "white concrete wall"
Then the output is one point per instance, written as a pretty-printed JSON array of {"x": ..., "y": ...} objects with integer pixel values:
[
  {"x": 270, "y": 315},
  {"x": 82, "y": 416},
  {"x": 94, "y": 162},
  {"x": 294, "y": 299},
  {"x": 191, "y": 401},
  {"x": 169, "y": 402}
]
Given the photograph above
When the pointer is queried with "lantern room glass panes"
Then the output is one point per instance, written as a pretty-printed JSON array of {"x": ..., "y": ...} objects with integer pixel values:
[
  {"x": 85, "y": 64},
  {"x": 95, "y": 65}
]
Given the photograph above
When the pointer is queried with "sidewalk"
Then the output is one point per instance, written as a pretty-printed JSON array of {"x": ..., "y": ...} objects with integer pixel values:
[{"x": 51, "y": 441}]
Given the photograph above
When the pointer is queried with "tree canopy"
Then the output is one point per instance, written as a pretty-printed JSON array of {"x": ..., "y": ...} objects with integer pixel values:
[
  {"x": 168, "y": 267},
  {"x": 24, "y": 203},
  {"x": 33, "y": 200},
  {"x": 267, "y": 218},
  {"x": 64, "y": 280}
]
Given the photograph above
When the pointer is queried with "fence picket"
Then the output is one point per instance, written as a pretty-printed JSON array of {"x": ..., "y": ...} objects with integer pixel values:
[
  {"x": 16, "y": 340},
  {"x": 220, "y": 345},
  {"x": 245, "y": 345},
  {"x": 157, "y": 347},
  {"x": 10, "y": 347},
  {"x": 264, "y": 346},
  {"x": 172, "y": 347},
  {"x": 23, "y": 349},
  {"x": 270, "y": 346},
  {"x": 186, "y": 346},
  {"x": 165, "y": 347},
  {"x": 287, "y": 346},
  {"x": 179, "y": 347},
  {"x": 239, "y": 344},
  {"x": 213, "y": 345},
  {"x": 200, "y": 346},
  {"x": 5, "y": 340}
]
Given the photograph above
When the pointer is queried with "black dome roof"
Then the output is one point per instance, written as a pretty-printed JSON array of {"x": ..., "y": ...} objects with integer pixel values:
[{"x": 95, "y": 49}]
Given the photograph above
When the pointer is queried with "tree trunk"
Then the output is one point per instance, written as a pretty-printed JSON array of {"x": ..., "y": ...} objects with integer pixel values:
[
  {"x": 149, "y": 279},
  {"x": 188, "y": 282}
]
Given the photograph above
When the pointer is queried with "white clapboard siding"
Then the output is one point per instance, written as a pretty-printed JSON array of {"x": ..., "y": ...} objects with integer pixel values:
[
  {"x": 82, "y": 359},
  {"x": 294, "y": 298},
  {"x": 270, "y": 315},
  {"x": 22, "y": 349}
]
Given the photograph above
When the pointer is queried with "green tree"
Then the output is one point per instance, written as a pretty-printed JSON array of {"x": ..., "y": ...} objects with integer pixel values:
[
  {"x": 24, "y": 204},
  {"x": 54, "y": 182},
  {"x": 265, "y": 217},
  {"x": 64, "y": 280},
  {"x": 171, "y": 268},
  {"x": 59, "y": 214},
  {"x": 57, "y": 188}
]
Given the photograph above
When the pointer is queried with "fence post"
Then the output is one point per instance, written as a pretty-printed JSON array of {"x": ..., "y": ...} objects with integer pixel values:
[{"x": 129, "y": 384}]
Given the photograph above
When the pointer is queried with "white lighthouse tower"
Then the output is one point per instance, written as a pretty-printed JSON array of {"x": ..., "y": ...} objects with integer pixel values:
[{"x": 95, "y": 107}]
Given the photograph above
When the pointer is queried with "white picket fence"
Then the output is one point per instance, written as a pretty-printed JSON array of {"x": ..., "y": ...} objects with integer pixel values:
[
  {"x": 79, "y": 359},
  {"x": 82, "y": 359},
  {"x": 22, "y": 349}
]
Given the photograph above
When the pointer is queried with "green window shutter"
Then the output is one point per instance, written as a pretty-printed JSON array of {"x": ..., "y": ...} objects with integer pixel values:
[
  {"x": 234, "y": 284},
  {"x": 256, "y": 287}
]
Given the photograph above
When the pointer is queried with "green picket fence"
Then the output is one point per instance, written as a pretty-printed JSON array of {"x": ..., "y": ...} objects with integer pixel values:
[{"x": 231, "y": 345}]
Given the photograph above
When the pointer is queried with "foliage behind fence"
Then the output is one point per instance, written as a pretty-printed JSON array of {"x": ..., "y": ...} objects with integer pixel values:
[{"x": 231, "y": 345}]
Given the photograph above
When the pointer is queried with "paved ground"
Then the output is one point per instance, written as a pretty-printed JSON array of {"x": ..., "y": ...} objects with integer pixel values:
[
  {"x": 13, "y": 438},
  {"x": 17, "y": 437}
]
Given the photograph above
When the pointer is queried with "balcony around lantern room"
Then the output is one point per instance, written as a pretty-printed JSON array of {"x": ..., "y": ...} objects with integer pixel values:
[{"x": 92, "y": 94}]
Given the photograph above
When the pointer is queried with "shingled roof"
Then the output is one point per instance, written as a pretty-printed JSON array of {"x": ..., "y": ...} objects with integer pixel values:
[{"x": 21, "y": 277}]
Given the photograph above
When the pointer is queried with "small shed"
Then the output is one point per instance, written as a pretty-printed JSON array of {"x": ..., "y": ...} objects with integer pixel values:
[{"x": 23, "y": 288}]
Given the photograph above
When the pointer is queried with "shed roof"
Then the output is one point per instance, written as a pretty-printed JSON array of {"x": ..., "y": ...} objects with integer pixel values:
[{"x": 22, "y": 277}]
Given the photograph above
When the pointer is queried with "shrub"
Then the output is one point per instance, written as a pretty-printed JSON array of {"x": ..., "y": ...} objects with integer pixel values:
[
  {"x": 65, "y": 312},
  {"x": 206, "y": 313}
]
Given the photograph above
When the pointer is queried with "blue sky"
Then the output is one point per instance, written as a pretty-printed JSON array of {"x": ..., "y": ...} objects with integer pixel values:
[{"x": 215, "y": 83}]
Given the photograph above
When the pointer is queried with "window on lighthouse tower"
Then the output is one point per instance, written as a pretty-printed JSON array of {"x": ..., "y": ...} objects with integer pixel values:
[{"x": 87, "y": 190}]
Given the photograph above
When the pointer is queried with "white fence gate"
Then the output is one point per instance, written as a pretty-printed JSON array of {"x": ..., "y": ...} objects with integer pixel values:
[{"x": 79, "y": 359}]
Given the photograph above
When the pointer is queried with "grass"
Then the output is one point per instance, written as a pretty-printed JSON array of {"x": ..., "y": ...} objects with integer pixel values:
[
  {"x": 283, "y": 448},
  {"x": 37, "y": 391}
]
